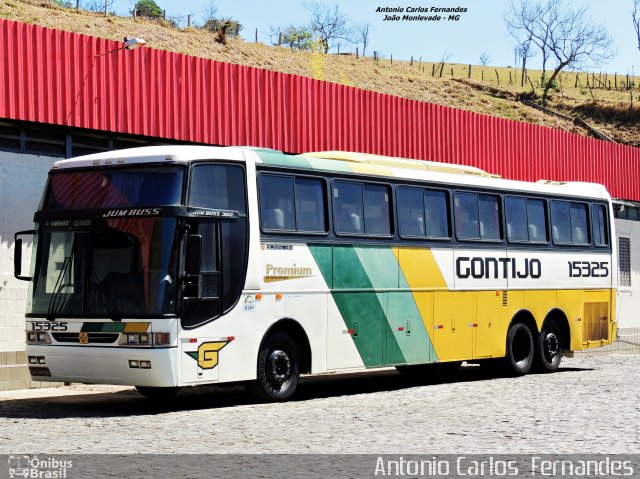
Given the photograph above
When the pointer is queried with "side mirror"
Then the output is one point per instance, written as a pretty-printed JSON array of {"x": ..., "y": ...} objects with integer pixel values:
[
  {"x": 17, "y": 255},
  {"x": 193, "y": 264}
]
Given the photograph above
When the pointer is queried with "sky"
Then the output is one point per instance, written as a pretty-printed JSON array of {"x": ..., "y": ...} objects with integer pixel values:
[{"x": 480, "y": 29}]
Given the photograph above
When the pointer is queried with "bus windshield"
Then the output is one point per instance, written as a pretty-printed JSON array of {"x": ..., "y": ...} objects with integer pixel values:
[
  {"x": 115, "y": 268},
  {"x": 120, "y": 187}
]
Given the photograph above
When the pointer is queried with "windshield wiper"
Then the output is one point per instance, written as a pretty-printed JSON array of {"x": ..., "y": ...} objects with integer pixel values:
[
  {"x": 58, "y": 302},
  {"x": 95, "y": 281}
]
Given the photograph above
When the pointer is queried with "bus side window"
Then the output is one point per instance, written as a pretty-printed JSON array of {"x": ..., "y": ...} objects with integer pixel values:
[
  {"x": 348, "y": 209},
  {"x": 276, "y": 202},
  {"x": 569, "y": 222},
  {"x": 526, "y": 220},
  {"x": 411, "y": 212},
  {"x": 436, "y": 206},
  {"x": 477, "y": 217},
  {"x": 376, "y": 210},
  {"x": 599, "y": 225},
  {"x": 310, "y": 205},
  {"x": 516, "y": 213}
]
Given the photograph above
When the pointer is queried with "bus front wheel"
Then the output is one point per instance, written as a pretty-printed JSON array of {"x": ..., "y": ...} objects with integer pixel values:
[
  {"x": 520, "y": 350},
  {"x": 278, "y": 369},
  {"x": 549, "y": 348}
]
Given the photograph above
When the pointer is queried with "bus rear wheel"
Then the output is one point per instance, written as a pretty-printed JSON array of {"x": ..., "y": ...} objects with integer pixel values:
[
  {"x": 278, "y": 369},
  {"x": 549, "y": 348},
  {"x": 520, "y": 350},
  {"x": 157, "y": 392}
]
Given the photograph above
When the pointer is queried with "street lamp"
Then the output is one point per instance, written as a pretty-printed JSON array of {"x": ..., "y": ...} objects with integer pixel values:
[
  {"x": 133, "y": 43},
  {"x": 128, "y": 44}
]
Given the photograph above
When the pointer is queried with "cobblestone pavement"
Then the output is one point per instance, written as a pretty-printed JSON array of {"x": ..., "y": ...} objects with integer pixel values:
[{"x": 592, "y": 405}]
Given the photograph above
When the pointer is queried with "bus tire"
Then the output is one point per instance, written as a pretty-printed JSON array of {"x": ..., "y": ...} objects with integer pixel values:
[
  {"x": 520, "y": 349},
  {"x": 549, "y": 348},
  {"x": 278, "y": 369},
  {"x": 157, "y": 393}
]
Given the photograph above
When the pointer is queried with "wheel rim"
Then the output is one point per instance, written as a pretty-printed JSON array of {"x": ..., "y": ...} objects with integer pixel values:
[
  {"x": 521, "y": 349},
  {"x": 278, "y": 368},
  {"x": 551, "y": 347}
]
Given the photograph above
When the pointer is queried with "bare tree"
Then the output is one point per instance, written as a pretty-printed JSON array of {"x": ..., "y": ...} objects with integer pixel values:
[
  {"x": 329, "y": 24},
  {"x": 97, "y": 6},
  {"x": 210, "y": 11},
  {"x": 635, "y": 16},
  {"x": 485, "y": 58},
  {"x": 362, "y": 33},
  {"x": 577, "y": 43},
  {"x": 534, "y": 21},
  {"x": 563, "y": 34},
  {"x": 525, "y": 52}
]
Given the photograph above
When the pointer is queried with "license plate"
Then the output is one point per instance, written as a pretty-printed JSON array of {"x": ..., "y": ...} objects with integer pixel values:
[{"x": 39, "y": 371}]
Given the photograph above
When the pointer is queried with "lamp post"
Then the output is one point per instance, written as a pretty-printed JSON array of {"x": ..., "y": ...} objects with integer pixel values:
[{"x": 129, "y": 43}]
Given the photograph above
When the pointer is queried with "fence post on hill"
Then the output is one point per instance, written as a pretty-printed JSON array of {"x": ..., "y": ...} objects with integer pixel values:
[
  {"x": 357, "y": 55},
  {"x": 469, "y": 73},
  {"x": 441, "y": 69},
  {"x": 77, "y": 4},
  {"x": 256, "y": 34},
  {"x": 510, "y": 80},
  {"x": 189, "y": 21},
  {"x": 482, "y": 74},
  {"x": 615, "y": 81},
  {"x": 433, "y": 70},
  {"x": 411, "y": 64},
  {"x": 392, "y": 58},
  {"x": 135, "y": 13},
  {"x": 577, "y": 82},
  {"x": 497, "y": 76}
]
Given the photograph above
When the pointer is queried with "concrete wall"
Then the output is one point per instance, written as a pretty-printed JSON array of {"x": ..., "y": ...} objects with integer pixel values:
[
  {"x": 22, "y": 179},
  {"x": 629, "y": 297}
]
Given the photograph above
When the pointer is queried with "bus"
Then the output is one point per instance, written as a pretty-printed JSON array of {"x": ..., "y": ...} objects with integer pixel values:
[{"x": 169, "y": 266}]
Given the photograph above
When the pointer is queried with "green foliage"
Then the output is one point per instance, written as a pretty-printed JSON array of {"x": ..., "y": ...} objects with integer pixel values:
[
  {"x": 223, "y": 28},
  {"x": 297, "y": 38},
  {"x": 147, "y": 9},
  {"x": 62, "y": 3}
]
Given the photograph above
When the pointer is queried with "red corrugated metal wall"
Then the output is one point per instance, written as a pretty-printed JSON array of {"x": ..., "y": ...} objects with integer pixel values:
[{"x": 51, "y": 76}]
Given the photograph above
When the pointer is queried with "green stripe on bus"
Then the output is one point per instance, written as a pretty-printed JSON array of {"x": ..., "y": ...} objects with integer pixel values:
[
  {"x": 405, "y": 323},
  {"x": 275, "y": 158},
  {"x": 362, "y": 311}
]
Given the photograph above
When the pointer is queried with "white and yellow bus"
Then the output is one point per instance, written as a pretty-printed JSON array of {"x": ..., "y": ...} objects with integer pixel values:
[{"x": 164, "y": 267}]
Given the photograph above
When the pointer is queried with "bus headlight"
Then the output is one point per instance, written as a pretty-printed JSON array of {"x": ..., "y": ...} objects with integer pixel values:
[
  {"x": 32, "y": 337},
  {"x": 132, "y": 339},
  {"x": 144, "y": 338},
  {"x": 42, "y": 337}
]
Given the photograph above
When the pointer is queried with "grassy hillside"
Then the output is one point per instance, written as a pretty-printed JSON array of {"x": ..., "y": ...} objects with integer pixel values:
[{"x": 608, "y": 110}]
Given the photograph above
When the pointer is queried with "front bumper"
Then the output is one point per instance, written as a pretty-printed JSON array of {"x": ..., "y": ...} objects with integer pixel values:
[{"x": 107, "y": 365}]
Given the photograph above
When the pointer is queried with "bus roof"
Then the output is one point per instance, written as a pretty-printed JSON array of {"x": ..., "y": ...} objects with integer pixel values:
[{"x": 338, "y": 161}]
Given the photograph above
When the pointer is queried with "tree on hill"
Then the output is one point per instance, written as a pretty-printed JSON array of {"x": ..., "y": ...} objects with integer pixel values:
[
  {"x": 147, "y": 9},
  {"x": 362, "y": 34},
  {"x": 223, "y": 28},
  {"x": 563, "y": 33},
  {"x": 485, "y": 58},
  {"x": 329, "y": 24},
  {"x": 294, "y": 36}
]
